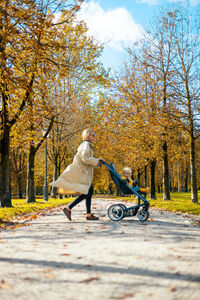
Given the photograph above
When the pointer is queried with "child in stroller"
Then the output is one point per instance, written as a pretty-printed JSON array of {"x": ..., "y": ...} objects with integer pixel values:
[
  {"x": 117, "y": 212},
  {"x": 127, "y": 174}
]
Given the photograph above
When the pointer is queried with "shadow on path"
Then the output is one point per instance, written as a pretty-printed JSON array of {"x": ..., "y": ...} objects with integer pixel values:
[{"x": 105, "y": 269}]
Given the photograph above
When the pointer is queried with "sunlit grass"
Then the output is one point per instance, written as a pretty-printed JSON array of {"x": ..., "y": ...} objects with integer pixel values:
[
  {"x": 180, "y": 202},
  {"x": 20, "y": 207}
]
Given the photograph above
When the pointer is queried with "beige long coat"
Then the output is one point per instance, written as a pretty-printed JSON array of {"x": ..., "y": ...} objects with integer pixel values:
[{"x": 78, "y": 176}]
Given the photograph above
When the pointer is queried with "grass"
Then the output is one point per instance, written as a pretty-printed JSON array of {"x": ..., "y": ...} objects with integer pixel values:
[
  {"x": 21, "y": 208},
  {"x": 180, "y": 202}
]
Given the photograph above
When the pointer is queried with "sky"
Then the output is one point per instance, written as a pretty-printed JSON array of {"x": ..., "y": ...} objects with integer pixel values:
[{"x": 118, "y": 23}]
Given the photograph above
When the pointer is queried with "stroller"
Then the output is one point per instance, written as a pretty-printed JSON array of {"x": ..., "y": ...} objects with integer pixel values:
[{"x": 117, "y": 212}]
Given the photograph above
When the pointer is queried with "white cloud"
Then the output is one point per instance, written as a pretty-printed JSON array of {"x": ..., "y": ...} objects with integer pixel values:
[
  {"x": 115, "y": 27},
  {"x": 162, "y": 2}
]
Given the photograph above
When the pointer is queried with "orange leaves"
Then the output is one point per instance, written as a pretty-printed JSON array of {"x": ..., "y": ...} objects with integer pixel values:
[
  {"x": 172, "y": 289},
  {"x": 48, "y": 273},
  {"x": 5, "y": 285},
  {"x": 197, "y": 223}
]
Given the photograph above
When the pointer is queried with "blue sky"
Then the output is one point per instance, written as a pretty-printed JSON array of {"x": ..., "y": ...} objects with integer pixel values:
[{"x": 118, "y": 23}]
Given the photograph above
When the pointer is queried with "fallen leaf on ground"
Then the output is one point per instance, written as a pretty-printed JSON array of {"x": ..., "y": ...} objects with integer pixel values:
[
  {"x": 127, "y": 295},
  {"x": 46, "y": 270},
  {"x": 196, "y": 223},
  {"x": 4, "y": 285},
  {"x": 29, "y": 279},
  {"x": 49, "y": 275},
  {"x": 172, "y": 268},
  {"x": 172, "y": 289},
  {"x": 103, "y": 227},
  {"x": 88, "y": 265},
  {"x": 89, "y": 279},
  {"x": 65, "y": 254}
]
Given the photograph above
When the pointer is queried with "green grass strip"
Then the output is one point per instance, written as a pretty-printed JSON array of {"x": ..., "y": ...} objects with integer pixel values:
[
  {"x": 180, "y": 202},
  {"x": 20, "y": 207}
]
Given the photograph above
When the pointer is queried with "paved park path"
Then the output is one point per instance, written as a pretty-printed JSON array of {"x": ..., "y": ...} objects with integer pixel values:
[{"x": 55, "y": 259}]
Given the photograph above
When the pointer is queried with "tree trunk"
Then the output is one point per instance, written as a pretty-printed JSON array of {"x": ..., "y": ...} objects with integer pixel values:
[
  {"x": 166, "y": 187},
  {"x": 59, "y": 171},
  {"x": 186, "y": 179},
  {"x": 145, "y": 176},
  {"x": 179, "y": 180},
  {"x": 139, "y": 175},
  {"x": 30, "y": 188},
  {"x": 153, "y": 184},
  {"x": 5, "y": 196},
  {"x": 19, "y": 186},
  {"x": 55, "y": 176},
  {"x": 194, "y": 194}
]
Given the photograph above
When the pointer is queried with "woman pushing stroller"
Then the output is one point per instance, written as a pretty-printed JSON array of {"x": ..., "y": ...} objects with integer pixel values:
[{"x": 78, "y": 176}]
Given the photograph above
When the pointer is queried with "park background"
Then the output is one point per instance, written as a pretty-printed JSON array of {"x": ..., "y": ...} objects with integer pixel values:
[{"x": 145, "y": 113}]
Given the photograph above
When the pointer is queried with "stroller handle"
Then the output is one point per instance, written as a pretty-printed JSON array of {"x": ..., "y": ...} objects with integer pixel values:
[{"x": 104, "y": 163}]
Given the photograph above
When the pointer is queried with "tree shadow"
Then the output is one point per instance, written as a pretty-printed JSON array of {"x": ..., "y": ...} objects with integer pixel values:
[{"x": 105, "y": 269}]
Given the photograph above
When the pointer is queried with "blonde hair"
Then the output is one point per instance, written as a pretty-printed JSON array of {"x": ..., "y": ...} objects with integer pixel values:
[
  {"x": 127, "y": 170},
  {"x": 86, "y": 133}
]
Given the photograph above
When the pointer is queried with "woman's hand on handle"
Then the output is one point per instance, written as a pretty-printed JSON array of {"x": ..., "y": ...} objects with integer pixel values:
[{"x": 101, "y": 161}]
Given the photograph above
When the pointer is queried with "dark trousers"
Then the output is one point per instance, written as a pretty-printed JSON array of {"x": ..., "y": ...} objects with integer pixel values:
[{"x": 80, "y": 198}]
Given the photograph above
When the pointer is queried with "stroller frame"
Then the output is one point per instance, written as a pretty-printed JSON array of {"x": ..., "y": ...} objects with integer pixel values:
[{"x": 117, "y": 212}]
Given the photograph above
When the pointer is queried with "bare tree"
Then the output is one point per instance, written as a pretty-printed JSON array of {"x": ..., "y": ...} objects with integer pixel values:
[{"x": 186, "y": 43}]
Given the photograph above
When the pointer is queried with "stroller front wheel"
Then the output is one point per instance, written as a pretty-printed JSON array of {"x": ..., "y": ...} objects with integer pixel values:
[
  {"x": 143, "y": 215},
  {"x": 116, "y": 212}
]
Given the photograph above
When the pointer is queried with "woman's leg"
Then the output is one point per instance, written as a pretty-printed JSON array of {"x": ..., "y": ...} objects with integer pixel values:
[
  {"x": 77, "y": 201},
  {"x": 89, "y": 200}
]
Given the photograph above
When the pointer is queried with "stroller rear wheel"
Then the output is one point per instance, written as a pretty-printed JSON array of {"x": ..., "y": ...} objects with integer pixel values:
[
  {"x": 116, "y": 212},
  {"x": 143, "y": 215}
]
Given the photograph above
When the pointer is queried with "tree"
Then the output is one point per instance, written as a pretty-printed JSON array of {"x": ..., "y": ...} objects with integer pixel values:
[
  {"x": 27, "y": 37},
  {"x": 186, "y": 42},
  {"x": 14, "y": 19},
  {"x": 18, "y": 163}
]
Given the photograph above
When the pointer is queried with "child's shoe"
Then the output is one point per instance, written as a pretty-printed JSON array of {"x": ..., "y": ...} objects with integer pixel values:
[{"x": 144, "y": 190}]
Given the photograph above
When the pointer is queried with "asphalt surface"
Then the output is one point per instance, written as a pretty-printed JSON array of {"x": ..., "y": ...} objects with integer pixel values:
[{"x": 52, "y": 258}]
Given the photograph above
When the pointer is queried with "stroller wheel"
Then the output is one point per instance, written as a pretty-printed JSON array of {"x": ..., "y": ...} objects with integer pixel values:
[
  {"x": 143, "y": 215},
  {"x": 116, "y": 212},
  {"x": 124, "y": 206}
]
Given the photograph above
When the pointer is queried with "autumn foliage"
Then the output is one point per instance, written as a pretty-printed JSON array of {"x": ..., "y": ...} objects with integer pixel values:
[{"x": 53, "y": 85}]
